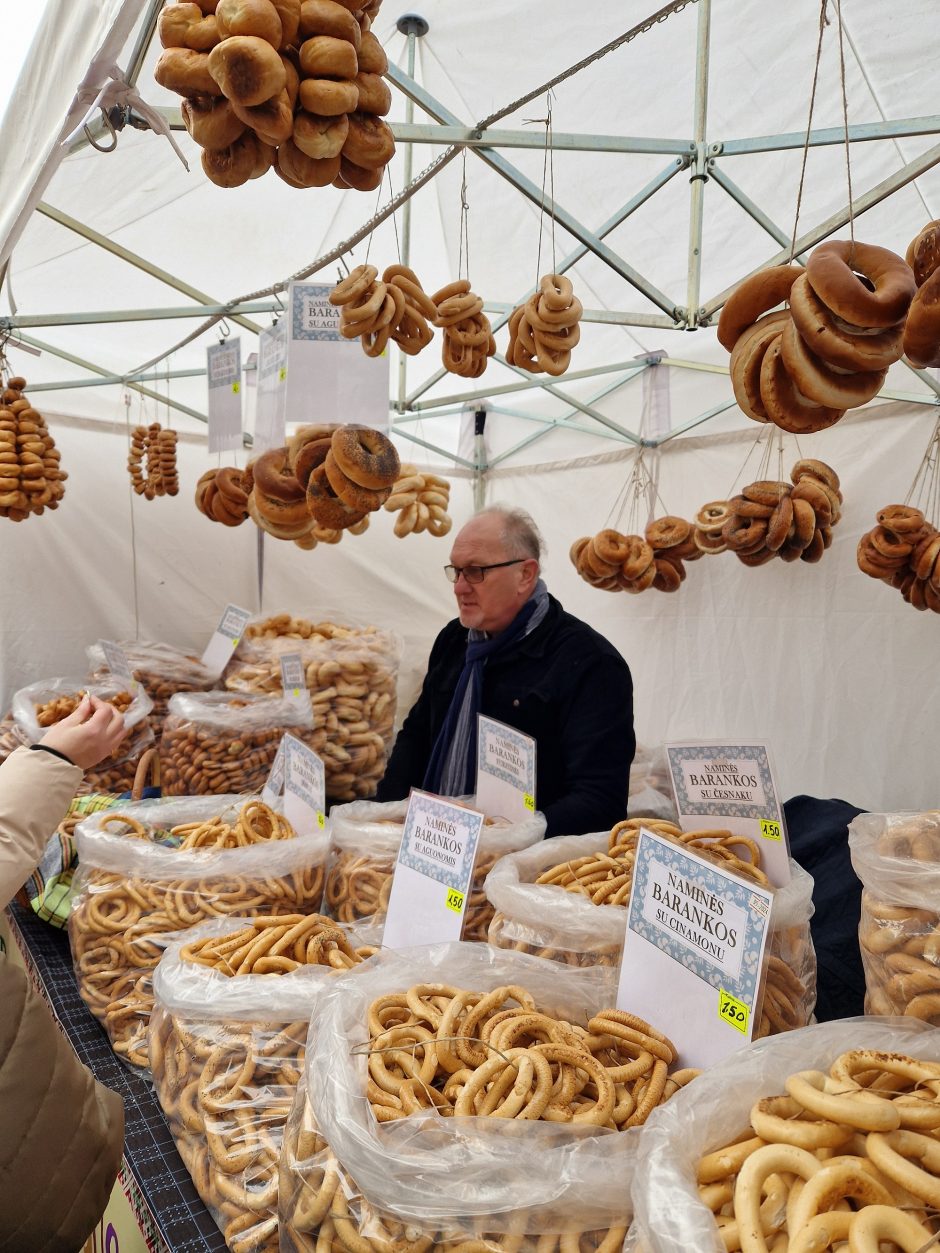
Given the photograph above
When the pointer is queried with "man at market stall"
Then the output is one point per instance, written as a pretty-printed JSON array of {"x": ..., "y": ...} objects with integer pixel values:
[{"x": 514, "y": 654}]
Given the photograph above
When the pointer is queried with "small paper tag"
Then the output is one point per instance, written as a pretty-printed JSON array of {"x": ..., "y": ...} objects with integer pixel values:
[
  {"x": 433, "y": 872},
  {"x": 505, "y": 770},
  {"x": 115, "y": 659},
  {"x": 274, "y": 784},
  {"x": 297, "y": 773},
  {"x": 294, "y": 681},
  {"x": 225, "y": 638}
]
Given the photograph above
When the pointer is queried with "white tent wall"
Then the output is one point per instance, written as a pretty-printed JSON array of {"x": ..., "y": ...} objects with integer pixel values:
[{"x": 832, "y": 668}]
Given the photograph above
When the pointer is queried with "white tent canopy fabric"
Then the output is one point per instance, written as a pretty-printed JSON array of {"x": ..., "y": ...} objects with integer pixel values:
[{"x": 826, "y": 665}]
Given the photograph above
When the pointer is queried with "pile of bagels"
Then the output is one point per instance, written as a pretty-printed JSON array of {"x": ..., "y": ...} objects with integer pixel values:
[
  {"x": 296, "y": 85},
  {"x": 222, "y": 495},
  {"x": 633, "y": 563},
  {"x": 151, "y": 461},
  {"x": 467, "y": 342},
  {"x": 421, "y": 501},
  {"x": 803, "y": 367},
  {"x": 903, "y": 550},
  {"x": 30, "y": 478},
  {"x": 922, "y": 328},
  {"x": 792, "y": 521},
  {"x": 543, "y": 331},
  {"x": 373, "y": 311}
]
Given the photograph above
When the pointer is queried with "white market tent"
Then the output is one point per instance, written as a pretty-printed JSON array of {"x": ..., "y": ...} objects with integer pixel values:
[{"x": 675, "y": 167}]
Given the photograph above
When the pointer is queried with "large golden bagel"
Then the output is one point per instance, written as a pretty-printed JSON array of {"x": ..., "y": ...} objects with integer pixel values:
[
  {"x": 278, "y": 528},
  {"x": 372, "y": 58},
  {"x": 363, "y": 499},
  {"x": 186, "y": 72},
  {"x": 326, "y": 17},
  {"x": 746, "y": 360},
  {"x": 374, "y": 95},
  {"x": 272, "y": 121},
  {"x": 366, "y": 456},
  {"x": 322, "y": 56},
  {"x": 785, "y": 406},
  {"x": 370, "y": 143},
  {"x": 329, "y": 97},
  {"x": 186, "y": 26},
  {"x": 320, "y": 137},
  {"x": 819, "y": 382},
  {"x": 247, "y": 69},
  {"x": 312, "y": 454},
  {"x": 833, "y": 273},
  {"x": 352, "y": 175},
  {"x": 922, "y": 329},
  {"x": 923, "y": 252},
  {"x": 757, "y": 294},
  {"x": 325, "y": 506},
  {"x": 306, "y": 171},
  {"x": 258, "y": 18},
  {"x": 211, "y": 122},
  {"x": 236, "y": 164},
  {"x": 838, "y": 344},
  {"x": 274, "y": 479}
]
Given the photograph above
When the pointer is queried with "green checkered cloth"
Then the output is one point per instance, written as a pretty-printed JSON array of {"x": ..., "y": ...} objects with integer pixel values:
[{"x": 48, "y": 890}]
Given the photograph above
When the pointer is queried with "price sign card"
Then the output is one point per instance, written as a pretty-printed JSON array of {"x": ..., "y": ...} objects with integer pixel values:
[
  {"x": 505, "y": 770},
  {"x": 731, "y": 786},
  {"x": 294, "y": 683},
  {"x": 433, "y": 872},
  {"x": 694, "y": 950},
  {"x": 224, "y": 371},
  {"x": 115, "y": 659},
  {"x": 298, "y": 773},
  {"x": 225, "y": 638},
  {"x": 271, "y": 407}
]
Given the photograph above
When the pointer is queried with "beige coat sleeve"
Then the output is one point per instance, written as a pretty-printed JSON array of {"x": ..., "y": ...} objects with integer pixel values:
[{"x": 36, "y": 790}]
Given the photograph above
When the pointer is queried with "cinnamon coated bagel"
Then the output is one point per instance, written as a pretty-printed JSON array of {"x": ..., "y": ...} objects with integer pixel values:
[
  {"x": 329, "y": 98},
  {"x": 921, "y": 340},
  {"x": 247, "y": 69},
  {"x": 274, "y": 478},
  {"x": 186, "y": 72},
  {"x": 322, "y": 56},
  {"x": 833, "y": 273},
  {"x": 325, "y": 506},
  {"x": 326, "y": 17},
  {"x": 361, "y": 499},
  {"x": 211, "y": 122},
  {"x": 366, "y": 456},
  {"x": 319, "y": 137},
  {"x": 186, "y": 26},
  {"x": 258, "y": 18},
  {"x": 786, "y": 406},
  {"x": 757, "y": 294},
  {"x": 819, "y": 382},
  {"x": 838, "y": 344},
  {"x": 370, "y": 143}
]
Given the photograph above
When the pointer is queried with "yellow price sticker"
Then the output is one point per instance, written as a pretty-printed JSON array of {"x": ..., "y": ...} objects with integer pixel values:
[
  {"x": 236, "y": 388},
  {"x": 282, "y": 374},
  {"x": 296, "y": 691},
  {"x": 770, "y": 830},
  {"x": 454, "y": 900},
  {"x": 321, "y": 821},
  {"x": 235, "y": 641},
  {"x": 731, "y": 1010},
  {"x": 529, "y": 802}
]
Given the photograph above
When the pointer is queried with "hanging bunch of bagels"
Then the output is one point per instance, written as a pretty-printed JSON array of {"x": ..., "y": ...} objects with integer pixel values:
[
  {"x": 802, "y": 368},
  {"x": 633, "y": 563},
  {"x": 151, "y": 461},
  {"x": 792, "y": 521},
  {"x": 421, "y": 501},
  {"x": 294, "y": 85},
  {"x": 903, "y": 550},
  {"x": 30, "y": 478},
  {"x": 468, "y": 341},
  {"x": 222, "y": 495},
  {"x": 397, "y": 308},
  {"x": 922, "y": 328},
  {"x": 543, "y": 331}
]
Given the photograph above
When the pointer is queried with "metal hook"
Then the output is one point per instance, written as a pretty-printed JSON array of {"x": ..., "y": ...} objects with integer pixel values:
[
  {"x": 110, "y": 125},
  {"x": 224, "y": 331},
  {"x": 281, "y": 307}
]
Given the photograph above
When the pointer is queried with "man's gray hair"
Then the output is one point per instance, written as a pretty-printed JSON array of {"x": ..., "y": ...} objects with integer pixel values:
[{"x": 520, "y": 534}]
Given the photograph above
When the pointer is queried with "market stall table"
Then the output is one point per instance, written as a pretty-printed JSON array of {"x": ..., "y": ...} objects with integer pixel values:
[{"x": 165, "y": 1203}]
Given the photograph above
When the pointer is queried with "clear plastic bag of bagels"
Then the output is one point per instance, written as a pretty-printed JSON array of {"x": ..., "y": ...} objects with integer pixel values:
[
  {"x": 445, "y": 1179},
  {"x": 670, "y": 1216},
  {"x": 897, "y": 858},
  {"x": 163, "y": 669},
  {"x": 548, "y": 921},
  {"x": 221, "y": 742},
  {"x": 27, "y": 700},
  {"x": 364, "y": 846},
  {"x": 133, "y": 893},
  {"x": 226, "y": 1053}
]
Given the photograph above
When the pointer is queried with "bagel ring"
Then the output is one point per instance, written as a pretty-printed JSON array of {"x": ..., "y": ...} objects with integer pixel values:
[
  {"x": 325, "y": 506},
  {"x": 667, "y": 531},
  {"x": 808, "y": 467},
  {"x": 757, "y": 294},
  {"x": 831, "y": 272},
  {"x": 611, "y": 546},
  {"x": 640, "y": 557},
  {"x": 841, "y": 346},
  {"x": 786, "y": 406},
  {"x": 819, "y": 382},
  {"x": 747, "y": 359},
  {"x": 360, "y": 499},
  {"x": 366, "y": 456},
  {"x": 900, "y": 519}
]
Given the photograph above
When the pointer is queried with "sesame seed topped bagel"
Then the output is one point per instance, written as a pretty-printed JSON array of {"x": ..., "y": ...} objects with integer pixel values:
[
  {"x": 366, "y": 456},
  {"x": 326, "y": 507},
  {"x": 838, "y": 344},
  {"x": 361, "y": 499},
  {"x": 833, "y": 273},
  {"x": 757, "y": 294}
]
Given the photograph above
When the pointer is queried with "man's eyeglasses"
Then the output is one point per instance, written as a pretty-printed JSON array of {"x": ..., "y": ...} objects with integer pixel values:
[{"x": 476, "y": 574}]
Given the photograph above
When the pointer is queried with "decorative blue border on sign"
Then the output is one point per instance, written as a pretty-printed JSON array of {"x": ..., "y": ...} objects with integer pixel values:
[
  {"x": 297, "y": 331},
  {"x": 712, "y": 881},
  {"x": 303, "y": 752},
  {"x": 523, "y": 743},
  {"x": 468, "y": 819},
  {"x": 696, "y": 752}
]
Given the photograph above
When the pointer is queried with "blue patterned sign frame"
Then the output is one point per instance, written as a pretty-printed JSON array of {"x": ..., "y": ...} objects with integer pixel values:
[
  {"x": 722, "y": 808},
  {"x": 523, "y": 744},
  {"x": 735, "y": 891},
  {"x": 298, "y": 293},
  {"x": 471, "y": 822}
]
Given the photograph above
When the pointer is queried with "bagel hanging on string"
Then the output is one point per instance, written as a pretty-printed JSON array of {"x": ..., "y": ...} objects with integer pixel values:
[
  {"x": 411, "y": 330},
  {"x": 368, "y": 309},
  {"x": 544, "y": 330},
  {"x": 151, "y": 461},
  {"x": 221, "y": 496},
  {"x": 468, "y": 341},
  {"x": 614, "y": 562},
  {"x": 921, "y": 340},
  {"x": 421, "y": 501},
  {"x": 771, "y": 518},
  {"x": 30, "y": 478}
]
